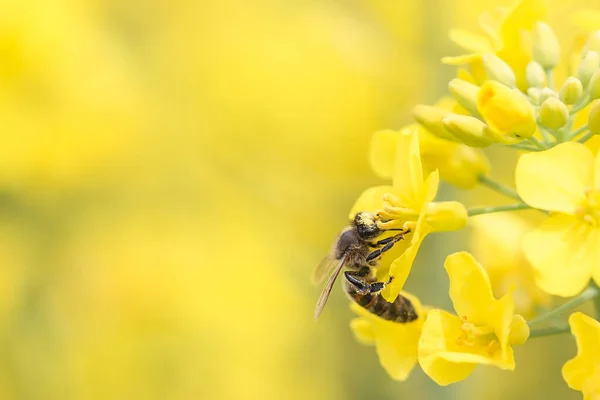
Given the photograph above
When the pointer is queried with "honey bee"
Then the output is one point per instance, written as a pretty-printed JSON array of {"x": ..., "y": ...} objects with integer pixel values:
[{"x": 355, "y": 250}]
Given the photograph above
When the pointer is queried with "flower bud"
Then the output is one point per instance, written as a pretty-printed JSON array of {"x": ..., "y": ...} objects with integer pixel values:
[
  {"x": 446, "y": 216},
  {"x": 465, "y": 93},
  {"x": 534, "y": 95},
  {"x": 594, "y": 86},
  {"x": 430, "y": 118},
  {"x": 593, "y": 43},
  {"x": 497, "y": 70},
  {"x": 594, "y": 118},
  {"x": 469, "y": 130},
  {"x": 545, "y": 93},
  {"x": 571, "y": 91},
  {"x": 507, "y": 112},
  {"x": 587, "y": 67},
  {"x": 554, "y": 113},
  {"x": 546, "y": 49},
  {"x": 535, "y": 75}
]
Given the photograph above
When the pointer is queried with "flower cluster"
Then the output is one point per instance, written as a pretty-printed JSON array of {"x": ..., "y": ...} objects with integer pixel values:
[{"x": 514, "y": 88}]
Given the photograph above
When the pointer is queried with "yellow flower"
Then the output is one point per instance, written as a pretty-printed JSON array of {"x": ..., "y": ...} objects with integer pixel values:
[
  {"x": 583, "y": 372},
  {"x": 496, "y": 241},
  {"x": 408, "y": 204},
  {"x": 564, "y": 248},
  {"x": 477, "y": 45},
  {"x": 396, "y": 343},
  {"x": 508, "y": 113},
  {"x": 503, "y": 36},
  {"x": 458, "y": 164},
  {"x": 451, "y": 346}
]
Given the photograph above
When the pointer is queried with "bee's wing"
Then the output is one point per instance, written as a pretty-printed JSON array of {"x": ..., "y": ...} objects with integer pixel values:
[
  {"x": 328, "y": 286},
  {"x": 324, "y": 269}
]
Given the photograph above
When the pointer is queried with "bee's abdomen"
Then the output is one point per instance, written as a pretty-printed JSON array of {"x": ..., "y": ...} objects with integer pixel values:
[{"x": 401, "y": 310}]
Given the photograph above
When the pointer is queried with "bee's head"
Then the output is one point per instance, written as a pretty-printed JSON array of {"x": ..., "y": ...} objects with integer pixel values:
[{"x": 365, "y": 225}]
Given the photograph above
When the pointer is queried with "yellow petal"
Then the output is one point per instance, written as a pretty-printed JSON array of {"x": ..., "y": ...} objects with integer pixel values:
[
  {"x": 555, "y": 179},
  {"x": 363, "y": 332},
  {"x": 370, "y": 200},
  {"x": 506, "y": 111},
  {"x": 383, "y": 269},
  {"x": 400, "y": 268},
  {"x": 564, "y": 251},
  {"x": 519, "y": 330},
  {"x": 438, "y": 325},
  {"x": 506, "y": 362},
  {"x": 462, "y": 60},
  {"x": 382, "y": 152},
  {"x": 596, "y": 267},
  {"x": 470, "y": 288},
  {"x": 578, "y": 372},
  {"x": 597, "y": 173},
  {"x": 500, "y": 317},
  {"x": 491, "y": 22},
  {"x": 408, "y": 172},
  {"x": 396, "y": 344},
  {"x": 516, "y": 49},
  {"x": 429, "y": 190},
  {"x": 446, "y": 216},
  {"x": 470, "y": 41},
  {"x": 398, "y": 349}
]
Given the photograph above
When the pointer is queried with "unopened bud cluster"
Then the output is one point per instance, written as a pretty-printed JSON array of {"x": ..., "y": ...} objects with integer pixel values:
[{"x": 501, "y": 109}]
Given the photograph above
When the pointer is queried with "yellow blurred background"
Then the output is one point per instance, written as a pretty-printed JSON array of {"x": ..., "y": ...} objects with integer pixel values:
[{"x": 172, "y": 171}]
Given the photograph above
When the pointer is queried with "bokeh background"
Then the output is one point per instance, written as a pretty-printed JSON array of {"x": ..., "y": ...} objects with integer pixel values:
[{"x": 172, "y": 171}]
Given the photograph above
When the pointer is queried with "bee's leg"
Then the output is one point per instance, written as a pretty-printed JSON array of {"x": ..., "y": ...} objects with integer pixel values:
[
  {"x": 362, "y": 286},
  {"x": 404, "y": 231},
  {"x": 379, "y": 286},
  {"x": 388, "y": 245},
  {"x": 382, "y": 241}
]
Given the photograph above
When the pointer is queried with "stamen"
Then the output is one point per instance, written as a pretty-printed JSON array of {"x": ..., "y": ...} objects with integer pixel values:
[
  {"x": 589, "y": 211},
  {"x": 482, "y": 336}
]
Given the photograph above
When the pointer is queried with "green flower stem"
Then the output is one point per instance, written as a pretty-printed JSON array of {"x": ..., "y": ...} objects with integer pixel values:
[
  {"x": 536, "y": 143},
  {"x": 589, "y": 293},
  {"x": 547, "y": 137},
  {"x": 585, "y": 137},
  {"x": 498, "y": 187},
  {"x": 580, "y": 106},
  {"x": 523, "y": 147},
  {"x": 596, "y": 300},
  {"x": 553, "y": 330},
  {"x": 488, "y": 210},
  {"x": 576, "y": 132}
]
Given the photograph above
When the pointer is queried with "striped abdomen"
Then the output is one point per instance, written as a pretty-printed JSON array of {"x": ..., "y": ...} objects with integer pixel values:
[{"x": 401, "y": 310}]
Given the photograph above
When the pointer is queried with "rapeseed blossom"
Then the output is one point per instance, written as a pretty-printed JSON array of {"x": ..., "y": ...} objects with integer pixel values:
[
  {"x": 511, "y": 90},
  {"x": 583, "y": 372},
  {"x": 408, "y": 205},
  {"x": 482, "y": 332},
  {"x": 564, "y": 249}
]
